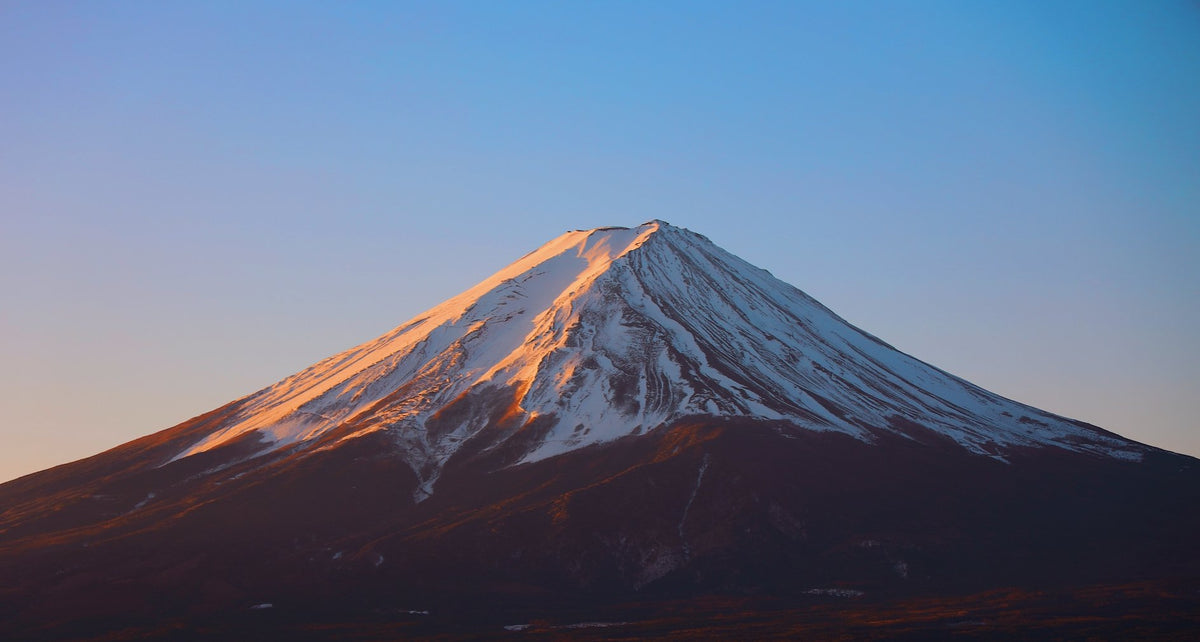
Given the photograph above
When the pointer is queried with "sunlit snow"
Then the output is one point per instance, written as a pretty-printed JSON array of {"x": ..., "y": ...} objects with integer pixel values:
[{"x": 610, "y": 332}]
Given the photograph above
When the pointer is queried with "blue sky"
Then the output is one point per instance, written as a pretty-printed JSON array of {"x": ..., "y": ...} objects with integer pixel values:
[{"x": 197, "y": 199}]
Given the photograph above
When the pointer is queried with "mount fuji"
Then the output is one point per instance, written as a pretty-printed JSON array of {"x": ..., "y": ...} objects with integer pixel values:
[
  {"x": 622, "y": 419},
  {"x": 607, "y": 333}
]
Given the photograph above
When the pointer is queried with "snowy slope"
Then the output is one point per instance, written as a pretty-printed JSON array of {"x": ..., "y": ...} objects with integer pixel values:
[{"x": 605, "y": 333}]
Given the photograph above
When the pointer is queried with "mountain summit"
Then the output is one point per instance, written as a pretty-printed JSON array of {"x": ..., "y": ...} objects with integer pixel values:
[
  {"x": 605, "y": 333},
  {"x": 629, "y": 427}
]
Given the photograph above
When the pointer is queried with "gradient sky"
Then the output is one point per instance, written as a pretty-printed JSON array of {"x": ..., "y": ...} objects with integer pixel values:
[{"x": 200, "y": 198}]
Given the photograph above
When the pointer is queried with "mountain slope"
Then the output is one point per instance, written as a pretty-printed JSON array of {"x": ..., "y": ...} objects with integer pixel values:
[{"x": 619, "y": 421}]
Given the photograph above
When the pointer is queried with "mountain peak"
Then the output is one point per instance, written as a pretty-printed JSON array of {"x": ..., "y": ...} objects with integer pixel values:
[
  {"x": 651, "y": 226},
  {"x": 604, "y": 333}
]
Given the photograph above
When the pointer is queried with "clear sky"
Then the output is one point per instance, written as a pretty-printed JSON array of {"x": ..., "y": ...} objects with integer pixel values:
[{"x": 200, "y": 198}]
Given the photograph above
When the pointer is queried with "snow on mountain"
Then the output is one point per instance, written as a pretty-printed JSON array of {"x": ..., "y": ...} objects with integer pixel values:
[{"x": 609, "y": 332}]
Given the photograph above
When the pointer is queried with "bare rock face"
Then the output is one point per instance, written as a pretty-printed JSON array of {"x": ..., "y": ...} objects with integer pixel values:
[{"x": 625, "y": 416}]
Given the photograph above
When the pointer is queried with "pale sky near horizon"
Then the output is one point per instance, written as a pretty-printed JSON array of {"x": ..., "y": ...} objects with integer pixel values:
[{"x": 198, "y": 199}]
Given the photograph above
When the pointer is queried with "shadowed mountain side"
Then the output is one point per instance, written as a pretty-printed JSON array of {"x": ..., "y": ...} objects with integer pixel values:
[{"x": 734, "y": 507}]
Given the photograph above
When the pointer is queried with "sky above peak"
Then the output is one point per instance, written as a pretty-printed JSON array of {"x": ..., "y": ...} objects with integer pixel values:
[{"x": 198, "y": 199}]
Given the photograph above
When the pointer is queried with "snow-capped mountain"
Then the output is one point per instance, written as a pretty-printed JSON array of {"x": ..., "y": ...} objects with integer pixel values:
[
  {"x": 610, "y": 332},
  {"x": 624, "y": 423}
]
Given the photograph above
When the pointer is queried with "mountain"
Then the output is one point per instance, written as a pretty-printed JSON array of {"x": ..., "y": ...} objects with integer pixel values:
[
  {"x": 622, "y": 419},
  {"x": 602, "y": 334}
]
